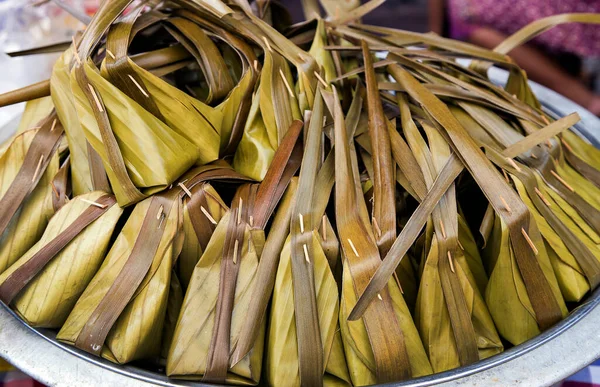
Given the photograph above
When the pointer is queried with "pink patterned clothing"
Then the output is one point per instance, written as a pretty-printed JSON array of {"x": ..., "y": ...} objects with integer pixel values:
[{"x": 508, "y": 16}]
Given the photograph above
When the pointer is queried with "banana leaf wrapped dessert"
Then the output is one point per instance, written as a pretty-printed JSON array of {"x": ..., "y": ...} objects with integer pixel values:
[
  {"x": 223, "y": 282},
  {"x": 120, "y": 314},
  {"x": 201, "y": 214},
  {"x": 189, "y": 219},
  {"x": 50, "y": 292},
  {"x": 27, "y": 167}
]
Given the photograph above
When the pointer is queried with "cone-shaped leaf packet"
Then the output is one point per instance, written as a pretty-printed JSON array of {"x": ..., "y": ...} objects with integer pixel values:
[
  {"x": 43, "y": 302},
  {"x": 198, "y": 227},
  {"x": 274, "y": 107},
  {"x": 121, "y": 313},
  {"x": 569, "y": 275},
  {"x": 506, "y": 295},
  {"x": 452, "y": 317},
  {"x": 392, "y": 348},
  {"x": 141, "y": 154},
  {"x": 28, "y": 224},
  {"x": 196, "y": 122},
  {"x": 305, "y": 272},
  {"x": 282, "y": 346},
  {"x": 432, "y": 314},
  {"x": 189, "y": 354},
  {"x": 62, "y": 97}
]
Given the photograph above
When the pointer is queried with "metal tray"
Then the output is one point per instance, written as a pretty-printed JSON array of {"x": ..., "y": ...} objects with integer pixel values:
[{"x": 545, "y": 360}]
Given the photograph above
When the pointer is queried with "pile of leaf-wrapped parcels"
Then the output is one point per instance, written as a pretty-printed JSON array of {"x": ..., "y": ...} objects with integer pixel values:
[{"x": 208, "y": 188}]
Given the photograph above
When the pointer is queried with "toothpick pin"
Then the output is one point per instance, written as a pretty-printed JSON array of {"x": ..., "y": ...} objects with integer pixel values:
[
  {"x": 379, "y": 296},
  {"x": 529, "y": 241},
  {"x": 506, "y": 206},
  {"x": 460, "y": 245},
  {"x": 321, "y": 79},
  {"x": 301, "y": 223},
  {"x": 306, "y": 257},
  {"x": 542, "y": 197},
  {"x": 566, "y": 144},
  {"x": 111, "y": 54},
  {"x": 251, "y": 219},
  {"x": 235, "y": 251},
  {"x": 506, "y": 176},
  {"x": 98, "y": 104},
  {"x": 443, "y": 229},
  {"x": 185, "y": 189},
  {"x": 37, "y": 169},
  {"x": 95, "y": 204},
  {"x": 545, "y": 120},
  {"x": 255, "y": 63},
  {"x": 267, "y": 43},
  {"x": 549, "y": 143},
  {"x": 160, "y": 212},
  {"x": 533, "y": 156},
  {"x": 353, "y": 248},
  {"x": 53, "y": 125},
  {"x": 287, "y": 85},
  {"x": 451, "y": 262},
  {"x": 207, "y": 214},
  {"x": 324, "y": 227},
  {"x": 54, "y": 190},
  {"x": 239, "y": 214},
  {"x": 162, "y": 219},
  {"x": 376, "y": 227},
  {"x": 514, "y": 165},
  {"x": 138, "y": 85},
  {"x": 562, "y": 181}
]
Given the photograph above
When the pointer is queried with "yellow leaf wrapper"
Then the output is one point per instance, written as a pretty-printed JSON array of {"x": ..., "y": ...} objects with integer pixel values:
[
  {"x": 192, "y": 249},
  {"x": 506, "y": 296},
  {"x": 282, "y": 346},
  {"x": 62, "y": 98},
  {"x": 48, "y": 299},
  {"x": 173, "y": 309},
  {"x": 35, "y": 111},
  {"x": 154, "y": 154},
  {"x": 196, "y": 122},
  {"x": 189, "y": 351},
  {"x": 356, "y": 342},
  {"x": 29, "y": 222},
  {"x": 136, "y": 333},
  {"x": 571, "y": 279},
  {"x": 433, "y": 319}
]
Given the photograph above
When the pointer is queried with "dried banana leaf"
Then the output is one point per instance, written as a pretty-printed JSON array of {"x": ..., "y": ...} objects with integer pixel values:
[
  {"x": 35, "y": 111},
  {"x": 282, "y": 347},
  {"x": 572, "y": 281},
  {"x": 433, "y": 320},
  {"x": 121, "y": 313},
  {"x": 128, "y": 138},
  {"x": 189, "y": 354},
  {"x": 506, "y": 296},
  {"x": 454, "y": 322},
  {"x": 204, "y": 200},
  {"x": 274, "y": 108},
  {"x": 42, "y": 303},
  {"x": 174, "y": 303},
  {"x": 195, "y": 121},
  {"x": 384, "y": 344},
  {"x": 62, "y": 98},
  {"x": 28, "y": 224}
]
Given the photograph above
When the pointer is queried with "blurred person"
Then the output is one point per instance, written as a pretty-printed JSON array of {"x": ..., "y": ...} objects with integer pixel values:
[{"x": 552, "y": 59}]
